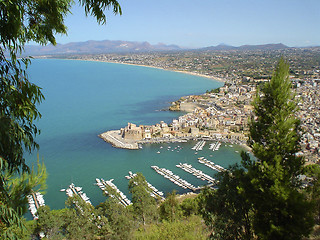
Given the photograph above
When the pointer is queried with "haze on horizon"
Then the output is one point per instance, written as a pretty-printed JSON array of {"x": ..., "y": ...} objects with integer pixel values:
[{"x": 196, "y": 24}]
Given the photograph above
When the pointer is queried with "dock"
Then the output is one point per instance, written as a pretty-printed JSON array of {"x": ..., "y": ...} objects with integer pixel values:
[
  {"x": 73, "y": 190},
  {"x": 210, "y": 164},
  {"x": 104, "y": 185},
  {"x": 215, "y": 146},
  {"x": 174, "y": 178},
  {"x": 197, "y": 173},
  {"x": 199, "y": 145},
  {"x": 155, "y": 192},
  {"x": 35, "y": 201}
]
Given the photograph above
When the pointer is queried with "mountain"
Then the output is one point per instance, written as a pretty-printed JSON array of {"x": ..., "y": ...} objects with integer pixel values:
[
  {"x": 220, "y": 47},
  {"x": 94, "y": 47},
  {"x": 224, "y": 47},
  {"x": 276, "y": 46}
]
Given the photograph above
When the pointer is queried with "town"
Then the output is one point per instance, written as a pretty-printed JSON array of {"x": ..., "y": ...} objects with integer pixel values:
[{"x": 223, "y": 114}]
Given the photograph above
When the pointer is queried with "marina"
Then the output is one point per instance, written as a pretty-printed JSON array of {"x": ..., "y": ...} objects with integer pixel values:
[
  {"x": 35, "y": 201},
  {"x": 215, "y": 146},
  {"x": 155, "y": 192},
  {"x": 210, "y": 164},
  {"x": 106, "y": 186},
  {"x": 199, "y": 145},
  {"x": 197, "y": 173},
  {"x": 73, "y": 190},
  {"x": 174, "y": 178}
]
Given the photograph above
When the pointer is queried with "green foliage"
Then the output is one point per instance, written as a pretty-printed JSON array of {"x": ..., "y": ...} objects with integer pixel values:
[
  {"x": 144, "y": 206},
  {"x": 39, "y": 21},
  {"x": 21, "y": 22},
  {"x": 192, "y": 229},
  {"x": 225, "y": 210},
  {"x": 262, "y": 198},
  {"x": 189, "y": 206},
  {"x": 216, "y": 90},
  {"x": 271, "y": 183},
  {"x": 50, "y": 222},
  {"x": 170, "y": 209},
  {"x": 78, "y": 221},
  {"x": 13, "y": 198},
  {"x": 120, "y": 219},
  {"x": 313, "y": 190}
]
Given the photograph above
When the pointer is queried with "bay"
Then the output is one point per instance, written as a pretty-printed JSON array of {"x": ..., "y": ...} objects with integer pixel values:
[{"x": 84, "y": 99}]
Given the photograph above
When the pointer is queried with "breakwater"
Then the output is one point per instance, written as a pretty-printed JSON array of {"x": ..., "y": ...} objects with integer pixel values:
[{"x": 116, "y": 140}]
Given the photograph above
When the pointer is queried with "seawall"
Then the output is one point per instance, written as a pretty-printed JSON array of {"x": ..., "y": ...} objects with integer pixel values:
[{"x": 116, "y": 140}]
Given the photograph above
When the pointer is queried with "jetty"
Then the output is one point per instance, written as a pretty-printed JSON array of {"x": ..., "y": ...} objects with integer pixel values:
[
  {"x": 197, "y": 173},
  {"x": 215, "y": 146},
  {"x": 175, "y": 178},
  {"x": 114, "y": 137},
  {"x": 210, "y": 164},
  {"x": 35, "y": 200},
  {"x": 199, "y": 145},
  {"x": 155, "y": 193},
  {"x": 73, "y": 190},
  {"x": 106, "y": 185}
]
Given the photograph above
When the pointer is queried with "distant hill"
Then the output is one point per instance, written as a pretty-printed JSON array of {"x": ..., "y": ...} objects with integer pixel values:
[
  {"x": 220, "y": 47},
  {"x": 108, "y": 46},
  {"x": 94, "y": 47},
  {"x": 223, "y": 47}
]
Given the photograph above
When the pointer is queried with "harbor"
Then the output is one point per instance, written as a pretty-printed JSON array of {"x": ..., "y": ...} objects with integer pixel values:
[
  {"x": 174, "y": 178},
  {"x": 155, "y": 193},
  {"x": 199, "y": 145},
  {"x": 197, "y": 173},
  {"x": 211, "y": 165},
  {"x": 35, "y": 201},
  {"x": 215, "y": 146},
  {"x": 110, "y": 189},
  {"x": 73, "y": 190}
]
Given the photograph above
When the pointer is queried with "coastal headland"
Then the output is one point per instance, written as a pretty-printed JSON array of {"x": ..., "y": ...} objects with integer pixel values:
[
  {"x": 226, "y": 111},
  {"x": 218, "y": 115},
  {"x": 204, "y": 119}
]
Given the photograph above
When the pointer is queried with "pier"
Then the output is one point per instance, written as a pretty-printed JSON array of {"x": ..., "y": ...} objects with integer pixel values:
[
  {"x": 35, "y": 201},
  {"x": 174, "y": 178},
  {"x": 199, "y": 145},
  {"x": 73, "y": 190},
  {"x": 210, "y": 164},
  {"x": 215, "y": 146},
  {"x": 104, "y": 185},
  {"x": 155, "y": 193},
  {"x": 197, "y": 173}
]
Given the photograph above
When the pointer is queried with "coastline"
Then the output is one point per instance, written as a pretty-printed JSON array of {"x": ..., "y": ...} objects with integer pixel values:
[
  {"x": 140, "y": 65},
  {"x": 172, "y": 70},
  {"x": 112, "y": 136}
]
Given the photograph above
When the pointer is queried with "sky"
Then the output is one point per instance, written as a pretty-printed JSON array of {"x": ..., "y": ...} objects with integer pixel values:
[{"x": 202, "y": 23}]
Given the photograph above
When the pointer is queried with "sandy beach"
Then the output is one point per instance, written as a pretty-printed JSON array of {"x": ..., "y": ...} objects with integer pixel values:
[
  {"x": 172, "y": 70},
  {"x": 180, "y": 71}
]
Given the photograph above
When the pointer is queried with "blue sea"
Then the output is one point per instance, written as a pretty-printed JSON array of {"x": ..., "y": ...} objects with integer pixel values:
[{"x": 84, "y": 99}]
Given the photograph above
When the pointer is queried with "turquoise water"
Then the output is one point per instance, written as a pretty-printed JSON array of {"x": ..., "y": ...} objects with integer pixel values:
[{"x": 84, "y": 99}]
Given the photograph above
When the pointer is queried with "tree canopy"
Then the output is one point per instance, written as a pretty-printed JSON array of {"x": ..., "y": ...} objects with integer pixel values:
[
  {"x": 262, "y": 198},
  {"x": 22, "y": 21}
]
